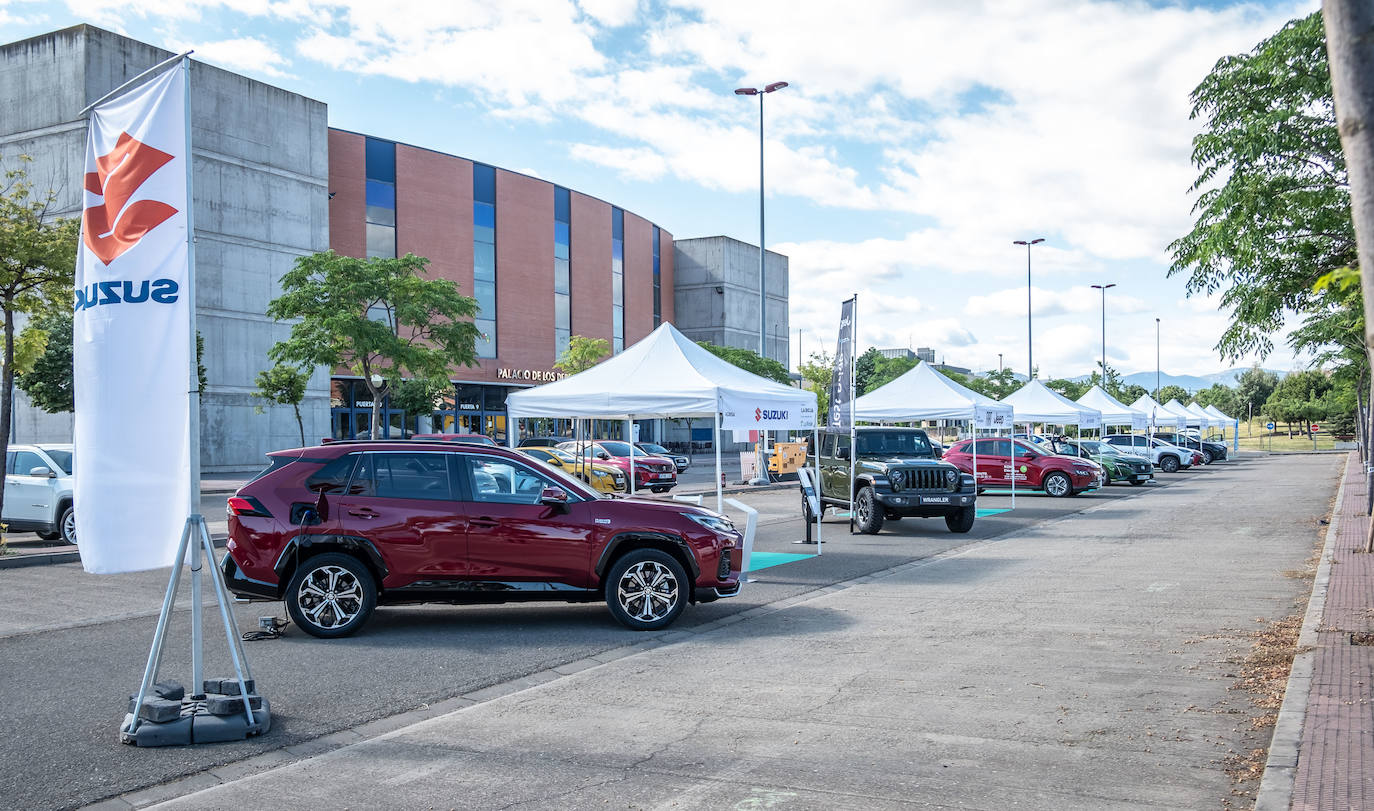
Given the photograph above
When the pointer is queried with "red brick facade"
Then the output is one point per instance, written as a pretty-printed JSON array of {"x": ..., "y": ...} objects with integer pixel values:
[{"x": 434, "y": 220}]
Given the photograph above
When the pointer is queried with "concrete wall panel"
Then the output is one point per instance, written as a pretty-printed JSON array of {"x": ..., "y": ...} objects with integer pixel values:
[
  {"x": 591, "y": 267},
  {"x": 639, "y": 278},
  {"x": 524, "y": 272}
]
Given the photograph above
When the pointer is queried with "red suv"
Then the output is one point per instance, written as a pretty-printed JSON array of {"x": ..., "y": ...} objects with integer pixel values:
[
  {"x": 655, "y": 473},
  {"x": 1034, "y": 467},
  {"x": 337, "y": 529}
]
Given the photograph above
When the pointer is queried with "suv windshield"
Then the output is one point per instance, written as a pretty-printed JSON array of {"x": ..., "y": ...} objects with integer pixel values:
[
  {"x": 63, "y": 459},
  {"x": 619, "y": 449},
  {"x": 895, "y": 443},
  {"x": 649, "y": 447}
]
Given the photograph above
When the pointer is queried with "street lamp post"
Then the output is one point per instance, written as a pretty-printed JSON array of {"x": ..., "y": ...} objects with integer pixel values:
[
  {"x": 1156, "y": 358},
  {"x": 999, "y": 363},
  {"x": 763, "y": 298},
  {"x": 1104, "y": 288},
  {"x": 1030, "y": 352}
]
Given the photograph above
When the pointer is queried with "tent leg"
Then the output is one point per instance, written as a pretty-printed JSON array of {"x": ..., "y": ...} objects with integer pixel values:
[
  {"x": 720, "y": 496},
  {"x": 629, "y": 438},
  {"x": 816, "y": 449}
]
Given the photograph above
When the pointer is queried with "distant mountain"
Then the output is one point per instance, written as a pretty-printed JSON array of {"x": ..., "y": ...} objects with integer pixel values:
[{"x": 1192, "y": 383}]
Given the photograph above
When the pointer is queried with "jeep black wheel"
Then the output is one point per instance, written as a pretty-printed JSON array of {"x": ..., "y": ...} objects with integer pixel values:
[
  {"x": 646, "y": 589},
  {"x": 962, "y": 520},
  {"x": 868, "y": 514},
  {"x": 1206, "y": 457},
  {"x": 1057, "y": 484},
  {"x": 1169, "y": 463},
  {"x": 331, "y": 595}
]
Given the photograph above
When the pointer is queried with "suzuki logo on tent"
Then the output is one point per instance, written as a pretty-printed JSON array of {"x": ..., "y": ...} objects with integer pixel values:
[
  {"x": 766, "y": 414},
  {"x": 114, "y": 225}
]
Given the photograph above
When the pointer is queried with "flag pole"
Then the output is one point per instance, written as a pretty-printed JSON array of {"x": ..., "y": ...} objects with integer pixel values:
[
  {"x": 853, "y": 372},
  {"x": 194, "y": 518}
]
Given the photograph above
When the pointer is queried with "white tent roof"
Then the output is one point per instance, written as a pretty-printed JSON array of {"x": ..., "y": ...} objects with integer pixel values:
[
  {"x": 1189, "y": 417},
  {"x": 667, "y": 375},
  {"x": 1114, "y": 412},
  {"x": 1218, "y": 413},
  {"x": 1036, "y": 402},
  {"x": 924, "y": 394},
  {"x": 1158, "y": 414}
]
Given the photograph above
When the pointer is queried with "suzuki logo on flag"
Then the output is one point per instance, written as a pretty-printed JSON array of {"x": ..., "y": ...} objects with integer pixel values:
[{"x": 114, "y": 225}]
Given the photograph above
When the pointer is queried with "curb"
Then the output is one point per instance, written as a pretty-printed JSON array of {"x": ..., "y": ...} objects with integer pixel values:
[
  {"x": 1280, "y": 769},
  {"x": 22, "y": 560}
]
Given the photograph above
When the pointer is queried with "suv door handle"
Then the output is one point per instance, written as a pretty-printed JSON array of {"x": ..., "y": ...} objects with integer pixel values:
[
  {"x": 364, "y": 512},
  {"x": 485, "y": 522}
]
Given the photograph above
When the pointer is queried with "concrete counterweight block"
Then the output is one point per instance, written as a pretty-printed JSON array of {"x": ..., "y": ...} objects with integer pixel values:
[
  {"x": 228, "y": 687},
  {"x": 213, "y": 719}
]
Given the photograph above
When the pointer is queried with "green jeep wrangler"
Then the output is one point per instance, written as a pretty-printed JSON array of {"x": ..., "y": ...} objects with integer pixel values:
[{"x": 896, "y": 475}]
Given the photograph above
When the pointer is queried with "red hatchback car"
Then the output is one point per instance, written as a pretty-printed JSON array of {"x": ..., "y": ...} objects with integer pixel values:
[
  {"x": 338, "y": 529},
  {"x": 1034, "y": 467}
]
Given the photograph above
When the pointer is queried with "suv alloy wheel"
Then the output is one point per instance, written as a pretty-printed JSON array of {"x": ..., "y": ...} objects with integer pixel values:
[
  {"x": 868, "y": 513},
  {"x": 331, "y": 595},
  {"x": 1168, "y": 463},
  {"x": 1057, "y": 484},
  {"x": 646, "y": 589}
]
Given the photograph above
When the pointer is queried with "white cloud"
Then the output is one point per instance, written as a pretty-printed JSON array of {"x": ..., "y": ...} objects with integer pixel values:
[
  {"x": 611, "y": 13},
  {"x": 1078, "y": 299},
  {"x": 244, "y": 54}
]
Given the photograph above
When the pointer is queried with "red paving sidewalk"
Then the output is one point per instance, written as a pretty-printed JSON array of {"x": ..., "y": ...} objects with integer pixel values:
[{"x": 1335, "y": 763}]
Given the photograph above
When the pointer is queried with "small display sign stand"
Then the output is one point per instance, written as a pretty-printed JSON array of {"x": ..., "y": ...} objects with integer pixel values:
[{"x": 808, "y": 487}]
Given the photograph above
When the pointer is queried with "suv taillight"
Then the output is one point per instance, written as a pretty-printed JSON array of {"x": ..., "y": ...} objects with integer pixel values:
[{"x": 247, "y": 507}]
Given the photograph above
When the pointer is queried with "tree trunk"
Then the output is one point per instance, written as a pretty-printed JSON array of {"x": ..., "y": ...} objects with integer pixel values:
[
  {"x": 299, "y": 422},
  {"x": 375, "y": 432},
  {"x": 6, "y": 394},
  {"x": 1350, "y": 50}
]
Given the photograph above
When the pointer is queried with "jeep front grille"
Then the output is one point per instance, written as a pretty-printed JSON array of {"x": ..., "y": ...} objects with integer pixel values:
[{"x": 926, "y": 478}]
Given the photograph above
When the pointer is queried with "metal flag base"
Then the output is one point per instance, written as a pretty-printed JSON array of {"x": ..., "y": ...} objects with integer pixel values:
[{"x": 226, "y": 709}]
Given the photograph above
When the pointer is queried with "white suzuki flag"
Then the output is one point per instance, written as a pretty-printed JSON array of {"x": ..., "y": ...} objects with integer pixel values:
[{"x": 131, "y": 332}]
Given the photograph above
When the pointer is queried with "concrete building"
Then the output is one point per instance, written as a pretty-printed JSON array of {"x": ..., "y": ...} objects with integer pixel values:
[
  {"x": 716, "y": 294},
  {"x": 902, "y": 353},
  {"x": 261, "y": 183},
  {"x": 272, "y": 182}
]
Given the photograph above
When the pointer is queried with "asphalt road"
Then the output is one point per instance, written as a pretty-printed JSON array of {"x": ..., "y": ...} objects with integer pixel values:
[{"x": 72, "y": 646}]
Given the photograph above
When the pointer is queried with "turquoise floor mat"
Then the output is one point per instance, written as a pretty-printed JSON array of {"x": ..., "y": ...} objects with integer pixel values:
[{"x": 763, "y": 560}]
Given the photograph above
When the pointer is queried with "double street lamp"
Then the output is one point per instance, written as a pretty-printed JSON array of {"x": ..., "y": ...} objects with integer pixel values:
[
  {"x": 763, "y": 298},
  {"x": 1104, "y": 288},
  {"x": 1030, "y": 354}
]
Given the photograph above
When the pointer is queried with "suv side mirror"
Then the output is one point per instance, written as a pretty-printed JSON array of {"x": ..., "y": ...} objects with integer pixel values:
[
  {"x": 553, "y": 497},
  {"x": 603, "y": 455},
  {"x": 42, "y": 470}
]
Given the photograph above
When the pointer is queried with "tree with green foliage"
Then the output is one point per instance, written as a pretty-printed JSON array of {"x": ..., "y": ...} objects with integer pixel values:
[
  {"x": 582, "y": 354},
  {"x": 378, "y": 317},
  {"x": 1273, "y": 213},
  {"x": 1253, "y": 388},
  {"x": 1131, "y": 392},
  {"x": 864, "y": 368},
  {"x": 1223, "y": 398},
  {"x": 37, "y": 269},
  {"x": 749, "y": 361},
  {"x": 1069, "y": 388},
  {"x": 1298, "y": 398},
  {"x": 886, "y": 370},
  {"x": 816, "y": 374},
  {"x": 48, "y": 379},
  {"x": 1172, "y": 392},
  {"x": 284, "y": 384},
  {"x": 998, "y": 384},
  {"x": 418, "y": 396}
]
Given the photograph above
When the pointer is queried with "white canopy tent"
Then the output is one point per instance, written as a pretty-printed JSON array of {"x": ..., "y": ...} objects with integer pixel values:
[
  {"x": 1158, "y": 415},
  {"x": 667, "y": 375},
  {"x": 1114, "y": 412},
  {"x": 925, "y": 394},
  {"x": 1036, "y": 402},
  {"x": 922, "y": 393},
  {"x": 1235, "y": 425},
  {"x": 1189, "y": 418}
]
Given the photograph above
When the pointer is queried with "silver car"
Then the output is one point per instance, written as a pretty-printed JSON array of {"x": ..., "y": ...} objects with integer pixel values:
[
  {"x": 38, "y": 491},
  {"x": 1166, "y": 457}
]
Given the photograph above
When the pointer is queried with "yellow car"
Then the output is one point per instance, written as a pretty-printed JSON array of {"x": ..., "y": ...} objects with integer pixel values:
[{"x": 602, "y": 478}]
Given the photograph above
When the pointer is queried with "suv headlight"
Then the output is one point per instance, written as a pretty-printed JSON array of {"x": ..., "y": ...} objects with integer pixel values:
[
  {"x": 600, "y": 474},
  {"x": 951, "y": 477},
  {"x": 894, "y": 478},
  {"x": 716, "y": 523}
]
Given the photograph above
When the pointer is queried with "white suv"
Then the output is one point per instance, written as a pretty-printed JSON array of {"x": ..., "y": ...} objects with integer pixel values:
[
  {"x": 38, "y": 491},
  {"x": 1166, "y": 457}
]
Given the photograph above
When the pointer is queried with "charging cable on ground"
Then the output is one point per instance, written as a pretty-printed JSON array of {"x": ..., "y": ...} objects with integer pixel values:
[{"x": 268, "y": 628}]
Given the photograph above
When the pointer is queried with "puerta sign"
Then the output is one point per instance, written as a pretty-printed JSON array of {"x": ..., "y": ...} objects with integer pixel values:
[{"x": 842, "y": 377}]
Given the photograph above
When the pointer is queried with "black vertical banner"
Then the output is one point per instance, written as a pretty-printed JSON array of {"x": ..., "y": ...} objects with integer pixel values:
[{"x": 842, "y": 377}]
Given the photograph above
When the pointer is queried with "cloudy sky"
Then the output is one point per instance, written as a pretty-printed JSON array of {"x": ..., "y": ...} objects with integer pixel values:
[{"x": 915, "y": 142}]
